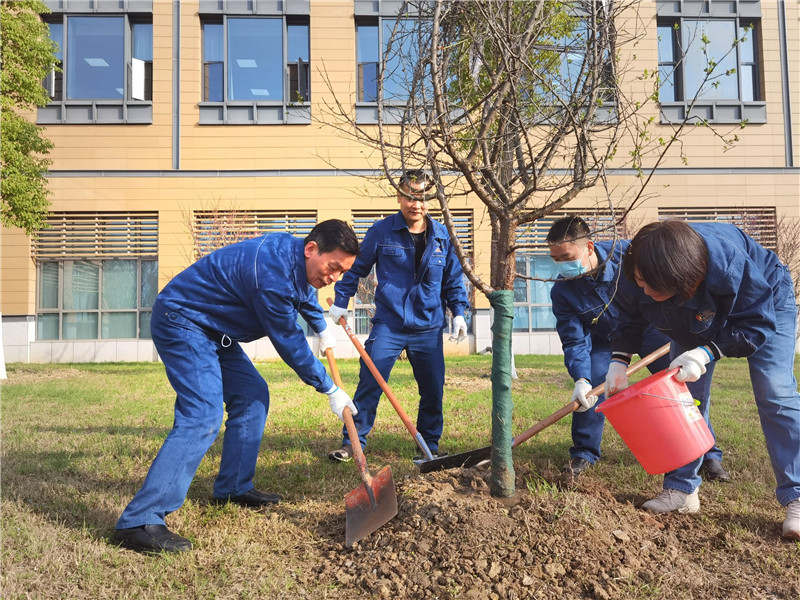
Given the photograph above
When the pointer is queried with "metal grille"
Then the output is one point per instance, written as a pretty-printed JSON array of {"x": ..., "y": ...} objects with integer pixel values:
[
  {"x": 531, "y": 236},
  {"x": 93, "y": 234},
  {"x": 462, "y": 219},
  {"x": 758, "y": 222},
  {"x": 214, "y": 229}
]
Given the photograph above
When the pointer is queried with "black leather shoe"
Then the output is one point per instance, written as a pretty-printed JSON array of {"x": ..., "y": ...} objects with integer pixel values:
[
  {"x": 712, "y": 470},
  {"x": 252, "y": 499},
  {"x": 151, "y": 539},
  {"x": 576, "y": 465}
]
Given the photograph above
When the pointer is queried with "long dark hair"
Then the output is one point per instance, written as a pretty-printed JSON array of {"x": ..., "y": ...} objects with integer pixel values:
[{"x": 669, "y": 256}]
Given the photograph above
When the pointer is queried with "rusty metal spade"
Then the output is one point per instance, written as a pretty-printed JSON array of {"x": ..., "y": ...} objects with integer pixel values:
[{"x": 375, "y": 502}]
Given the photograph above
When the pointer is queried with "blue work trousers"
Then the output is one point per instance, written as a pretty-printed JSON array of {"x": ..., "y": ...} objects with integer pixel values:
[
  {"x": 426, "y": 354},
  {"x": 587, "y": 426},
  {"x": 208, "y": 377},
  {"x": 778, "y": 402}
]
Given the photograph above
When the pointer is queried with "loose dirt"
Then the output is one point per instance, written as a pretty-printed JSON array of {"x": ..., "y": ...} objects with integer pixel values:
[{"x": 556, "y": 538}]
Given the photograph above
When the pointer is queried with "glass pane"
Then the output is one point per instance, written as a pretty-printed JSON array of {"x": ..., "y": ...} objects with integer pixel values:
[
  {"x": 400, "y": 56},
  {"x": 710, "y": 54},
  {"x": 149, "y": 282},
  {"x": 544, "y": 268},
  {"x": 81, "y": 285},
  {"x": 79, "y": 326},
  {"x": 255, "y": 64},
  {"x": 666, "y": 78},
  {"x": 57, "y": 35},
  {"x": 119, "y": 325},
  {"x": 142, "y": 41},
  {"x": 48, "y": 285},
  {"x": 119, "y": 284},
  {"x": 521, "y": 319},
  {"x": 47, "y": 327},
  {"x": 96, "y": 57},
  {"x": 212, "y": 82},
  {"x": 747, "y": 44},
  {"x": 298, "y": 42},
  {"x": 748, "y": 83},
  {"x": 367, "y": 39},
  {"x": 144, "y": 325},
  {"x": 212, "y": 42},
  {"x": 543, "y": 318},
  {"x": 666, "y": 44},
  {"x": 368, "y": 82}
]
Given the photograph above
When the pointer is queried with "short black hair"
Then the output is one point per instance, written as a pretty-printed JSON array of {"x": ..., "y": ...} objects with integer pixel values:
[
  {"x": 333, "y": 234},
  {"x": 568, "y": 229},
  {"x": 669, "y": 256},
  {"x": 417, "y": 176}
]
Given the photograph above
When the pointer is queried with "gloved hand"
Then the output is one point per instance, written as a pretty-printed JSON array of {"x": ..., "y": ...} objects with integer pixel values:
[
  {"x": 336, "y": 313},
  {"x": 338, "y": 399},
  {"x": 616, "y": 378},
  {"x": 460, "y": 327},
  {"x": 327, "y": 340},
  {"x": 582, "y": 387},
  {"x": 692, "y": 364}
]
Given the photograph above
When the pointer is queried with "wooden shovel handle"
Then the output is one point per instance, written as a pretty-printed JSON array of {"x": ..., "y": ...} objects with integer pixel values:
[
  {"x": 568, "y": 408},
  {"x": 352, "y": 432},
  {"x": 378, "y": 377}
]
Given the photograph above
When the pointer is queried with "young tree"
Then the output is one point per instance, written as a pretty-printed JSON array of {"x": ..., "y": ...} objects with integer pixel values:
[
  {"x": 27, "y": 55},
  {"x": 525, "y": 105}
]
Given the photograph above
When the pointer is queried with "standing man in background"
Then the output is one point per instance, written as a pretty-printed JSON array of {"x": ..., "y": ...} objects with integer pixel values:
[{"x": 418, "y": 276}]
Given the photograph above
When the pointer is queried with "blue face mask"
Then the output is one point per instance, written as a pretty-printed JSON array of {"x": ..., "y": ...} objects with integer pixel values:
[{"x": 572, "y": 268}]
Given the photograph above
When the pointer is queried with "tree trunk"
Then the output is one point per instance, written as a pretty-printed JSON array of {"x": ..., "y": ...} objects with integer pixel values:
[{"x": 502, "y": 478}]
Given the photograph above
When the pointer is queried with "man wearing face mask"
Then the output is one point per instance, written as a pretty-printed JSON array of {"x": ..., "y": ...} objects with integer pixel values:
[{"x": 585, "y": 311}]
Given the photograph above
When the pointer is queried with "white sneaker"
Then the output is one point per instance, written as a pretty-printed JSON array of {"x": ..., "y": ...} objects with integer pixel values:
[
  {"x": 670, "y": 500},
  {"x": 791, "y": 526}
]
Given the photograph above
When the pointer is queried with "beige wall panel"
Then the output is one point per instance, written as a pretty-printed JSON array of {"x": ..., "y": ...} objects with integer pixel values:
[{"x": 17, "y": 274}]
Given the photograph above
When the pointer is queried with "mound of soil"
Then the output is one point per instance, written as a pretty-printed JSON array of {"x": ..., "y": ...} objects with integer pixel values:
[{"x": 555, "y": 538}]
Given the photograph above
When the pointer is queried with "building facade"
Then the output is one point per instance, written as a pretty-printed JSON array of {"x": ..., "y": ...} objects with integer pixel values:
[{"x": 181, "y": 124}]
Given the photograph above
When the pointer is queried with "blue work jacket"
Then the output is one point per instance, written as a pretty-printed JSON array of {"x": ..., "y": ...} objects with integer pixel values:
[
  {"x": 585, "y": 311},
  {"x": 733, "y": 309},
  {"x": 407, "y": 299},
  {"x": 253, "y": 289}
]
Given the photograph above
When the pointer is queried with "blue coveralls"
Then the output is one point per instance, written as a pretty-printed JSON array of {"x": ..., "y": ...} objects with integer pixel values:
[
  {"x": 585, "y": 316},
  {"x": 237, "y": 294},
  {"x": 409, "y": 314},
  {"x": 744, "y": 307}
]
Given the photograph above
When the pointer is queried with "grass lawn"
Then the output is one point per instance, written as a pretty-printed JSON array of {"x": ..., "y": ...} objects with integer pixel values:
[{"x": 77, "y": 441}]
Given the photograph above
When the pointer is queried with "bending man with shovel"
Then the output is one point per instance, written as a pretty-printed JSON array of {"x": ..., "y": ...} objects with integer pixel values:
[{"x": 418, "y": 273}]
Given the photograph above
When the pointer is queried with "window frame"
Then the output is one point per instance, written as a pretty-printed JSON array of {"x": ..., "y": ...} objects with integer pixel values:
[
  {"x": 258, "y": 112},
  {"x": 741, "y": 13},
  {"x": 98, "y": 111}
]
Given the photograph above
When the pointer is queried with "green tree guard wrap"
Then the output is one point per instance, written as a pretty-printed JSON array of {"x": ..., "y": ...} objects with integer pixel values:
[{"x": 502, "y": 478}]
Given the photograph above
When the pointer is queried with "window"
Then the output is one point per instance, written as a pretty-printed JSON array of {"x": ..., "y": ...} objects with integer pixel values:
[
  {"x": 106, "y": 70},
  {"x": 364, "y": 300},
  {"x": 255, "y": 70},
  {"x": 759, "y": 222},
  {"x": 97, "y": 276},
  {"x": 391, "y": 41},
  {"x": 532, "y": 307},
  {"x": 708, "y": 62}
]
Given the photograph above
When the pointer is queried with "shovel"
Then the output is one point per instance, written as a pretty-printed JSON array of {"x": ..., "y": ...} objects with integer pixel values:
[
  {"x": 373, "y": 504},
  {"x": 473, "y": 457},
  {"x": 386, "y": 390}
]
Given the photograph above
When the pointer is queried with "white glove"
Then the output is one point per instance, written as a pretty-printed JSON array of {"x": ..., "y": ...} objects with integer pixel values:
[
  {"x": 460, "y": 327},
  {"x": 616, "y": 378},
  {"x": 338, "y": 399},
  {"x": 692, "y": 364},
  {"x": 579, "y": 393},
  {"x": 336, "y": 313},
  {"x": 326, "y": 340}
]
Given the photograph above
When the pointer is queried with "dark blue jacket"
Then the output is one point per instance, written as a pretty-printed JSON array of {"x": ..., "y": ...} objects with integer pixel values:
[
  {"x": 405, "y": 299},
  {"x": 584, "y": 309},
  {"x": 733, "y": 308},
  {"x": 253, "y": 289}
]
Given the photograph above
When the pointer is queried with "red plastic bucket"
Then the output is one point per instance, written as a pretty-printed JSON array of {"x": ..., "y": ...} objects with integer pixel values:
[{"x": 658, "y": 420}]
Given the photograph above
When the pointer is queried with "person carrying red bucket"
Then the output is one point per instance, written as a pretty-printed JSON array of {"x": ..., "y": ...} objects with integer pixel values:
[{"x": 716, "y": 292}]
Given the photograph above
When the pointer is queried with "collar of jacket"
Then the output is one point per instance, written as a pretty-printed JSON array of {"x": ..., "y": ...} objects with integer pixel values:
[
  {"x": 299, "y": 268},
  {"x": 399, "y": 223}
]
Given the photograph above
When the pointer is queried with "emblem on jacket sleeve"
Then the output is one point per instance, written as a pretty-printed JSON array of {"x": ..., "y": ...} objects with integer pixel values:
[{"x": 705, "y": 316}]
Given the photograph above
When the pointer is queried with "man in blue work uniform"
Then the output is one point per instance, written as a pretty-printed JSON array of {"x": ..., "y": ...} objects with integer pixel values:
[
  {"x": 418, "y": 273},
  {"x": 585, "y": 311},
  {"x": 716, "y": 292},
  {"x": 236, "y": 294}
]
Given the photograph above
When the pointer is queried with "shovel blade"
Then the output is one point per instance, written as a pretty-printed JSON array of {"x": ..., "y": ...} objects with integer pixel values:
[
  {"x": 366, "y": 512},
  {"x": 452, "y": 461}
]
